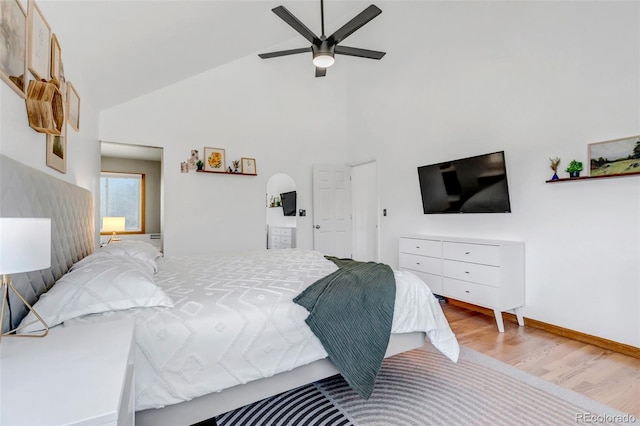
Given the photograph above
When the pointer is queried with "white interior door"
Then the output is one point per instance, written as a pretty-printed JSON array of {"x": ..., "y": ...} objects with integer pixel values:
[
  {"x": 332, "y": 210},
  {"x": 364, "y": 208}
]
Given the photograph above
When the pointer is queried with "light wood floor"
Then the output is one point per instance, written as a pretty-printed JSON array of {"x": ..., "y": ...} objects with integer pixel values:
[{"x": 600, "y": 374}]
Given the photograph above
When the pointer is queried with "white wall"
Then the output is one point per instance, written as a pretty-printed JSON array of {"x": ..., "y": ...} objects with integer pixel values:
[
  {"x": 274, "y": 111},
  {"x": 538, "y": 80}
]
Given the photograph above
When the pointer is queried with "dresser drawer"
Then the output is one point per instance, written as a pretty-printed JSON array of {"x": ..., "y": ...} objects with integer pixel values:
[
  {"x": 482, "y": 274},
  {"x": 431, "y": 248},
  {"x": 276, "y": 239},
  {"x": 476, "y": 253},
  {"x": 414, "y": 262},
  {"x": 286, "y": 232},
  {"x": 285, "y": 240},
  {"x": 469, "y": 292}
]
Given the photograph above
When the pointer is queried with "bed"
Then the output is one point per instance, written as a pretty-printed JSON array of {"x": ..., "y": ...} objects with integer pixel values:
[{"x": 186, "y": 371}]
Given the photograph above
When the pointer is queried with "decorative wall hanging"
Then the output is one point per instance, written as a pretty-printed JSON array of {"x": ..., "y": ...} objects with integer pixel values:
[
  {"x": 56, "y": 61},
  {"x": 13, "y": 39},
  {"x": 73, "y": 105},
  {"x": 38, "y": 42},
  {"x": 615, "y": 157},
  {"x": 214, "y": 160},
  {"x": 248, "y": 166},
  {"x": 57, "y": 151},
  {"x": 45, "y": 108}
]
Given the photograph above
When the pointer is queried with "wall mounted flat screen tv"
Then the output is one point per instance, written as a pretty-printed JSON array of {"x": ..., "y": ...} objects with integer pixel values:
[
  {"x": 288, "y": 202},
  {"x": 468, "y": 185}
]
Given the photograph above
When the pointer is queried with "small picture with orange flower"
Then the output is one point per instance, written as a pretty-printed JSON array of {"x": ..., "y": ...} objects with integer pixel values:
[{"x": 214, "y": 160}]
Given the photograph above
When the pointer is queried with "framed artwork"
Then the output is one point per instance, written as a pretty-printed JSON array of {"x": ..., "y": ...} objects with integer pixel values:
[
  {"x": 57, "y": 151},
  {"x": 38, "y": 42},
  {"x": 615, "y": 157},
  {"x": 214, "y": 160},
  {"x": 13, "y": 42},
  {"x": 73, "y": 106},
  {"x": 248, "y": 166},
  {"x": 56, "y": 61}
]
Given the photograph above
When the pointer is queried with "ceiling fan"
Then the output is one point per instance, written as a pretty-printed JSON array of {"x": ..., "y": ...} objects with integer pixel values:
[{"x": 324, "y": 48}]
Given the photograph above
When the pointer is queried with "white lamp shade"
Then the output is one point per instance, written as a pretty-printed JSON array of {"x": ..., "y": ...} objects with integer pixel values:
[
  {"x": 25, "y": 244},
  {"x": 113, "y": 223}
]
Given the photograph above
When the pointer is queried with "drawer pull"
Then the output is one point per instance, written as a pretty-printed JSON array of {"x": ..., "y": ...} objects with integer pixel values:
[
  {"x": 467, "y": 252},
  {"x": 417, "y": 246},
  {"x": 417, "y": 263},
  {"x": 467, "y": 291},
  {"x": 466, "y": 272}
]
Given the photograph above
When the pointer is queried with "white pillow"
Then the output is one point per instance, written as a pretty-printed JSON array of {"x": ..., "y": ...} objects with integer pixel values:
[
  {"x": 146, "y": 266},
  {"x": 136, "y": 249},
  {"x": 99, "y": 284}
]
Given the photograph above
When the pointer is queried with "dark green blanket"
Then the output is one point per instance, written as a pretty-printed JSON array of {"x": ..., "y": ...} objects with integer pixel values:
[{"x": 351, "y": 311}]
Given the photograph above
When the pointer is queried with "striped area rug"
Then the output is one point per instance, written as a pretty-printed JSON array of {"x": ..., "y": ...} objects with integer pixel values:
[{"x": 422, "y": 387}]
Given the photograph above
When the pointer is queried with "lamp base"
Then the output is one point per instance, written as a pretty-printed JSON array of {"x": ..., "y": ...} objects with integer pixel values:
[
  {"x": 6, "y": 286},
  {"x": 113, "y": 238}
]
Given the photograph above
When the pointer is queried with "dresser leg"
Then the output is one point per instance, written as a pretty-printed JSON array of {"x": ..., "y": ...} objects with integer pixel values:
[
  {"x": 498, "y": 315},
  {"x": 519, "y": 316}
]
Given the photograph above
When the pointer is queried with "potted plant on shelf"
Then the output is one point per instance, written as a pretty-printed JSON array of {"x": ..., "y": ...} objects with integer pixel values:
[
  {"x": 574, "y": 169},
  {"x": 199, "y": 164}
]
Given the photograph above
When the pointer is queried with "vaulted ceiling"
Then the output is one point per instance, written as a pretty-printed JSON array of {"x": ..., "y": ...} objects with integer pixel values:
[{"x": 122, "y": 49}]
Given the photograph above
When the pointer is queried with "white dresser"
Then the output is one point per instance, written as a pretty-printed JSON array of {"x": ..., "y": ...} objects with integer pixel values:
[
  {"x": 488, "y": 273},
  {"x": 80, "y": 375},
  {"x": 281, "y": 237}
]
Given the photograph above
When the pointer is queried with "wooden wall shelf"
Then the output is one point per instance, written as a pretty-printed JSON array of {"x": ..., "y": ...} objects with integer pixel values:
[
  {"x": 227, "y": 173},
  {"x": 45, "y": 108},
  {"x": 593, "y": 177}
]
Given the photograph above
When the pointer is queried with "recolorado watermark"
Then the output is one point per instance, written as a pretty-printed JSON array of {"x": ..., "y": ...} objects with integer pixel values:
[{"x": 590, "y": 418}]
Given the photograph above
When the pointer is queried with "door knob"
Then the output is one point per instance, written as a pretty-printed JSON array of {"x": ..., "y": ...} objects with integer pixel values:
[{"x": 317, "y": 226}]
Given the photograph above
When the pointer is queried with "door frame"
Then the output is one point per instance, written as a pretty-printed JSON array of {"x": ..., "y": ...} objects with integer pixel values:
[{"x": 377, "y": 191}]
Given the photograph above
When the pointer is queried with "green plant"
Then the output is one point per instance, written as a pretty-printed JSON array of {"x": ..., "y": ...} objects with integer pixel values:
[
  {"x": 199, "y": 163},
  {"x": 574, "y": 166}
]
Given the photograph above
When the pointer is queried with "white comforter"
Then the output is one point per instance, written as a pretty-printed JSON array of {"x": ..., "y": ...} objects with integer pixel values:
[{"x": 234, "y": 321}]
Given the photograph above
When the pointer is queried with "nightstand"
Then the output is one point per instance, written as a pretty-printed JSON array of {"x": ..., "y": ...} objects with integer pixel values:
[{"x": 79, "y": 375}]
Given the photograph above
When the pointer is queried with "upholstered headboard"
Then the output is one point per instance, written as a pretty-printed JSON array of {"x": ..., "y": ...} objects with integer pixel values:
[{"x": 27, "y": 192}]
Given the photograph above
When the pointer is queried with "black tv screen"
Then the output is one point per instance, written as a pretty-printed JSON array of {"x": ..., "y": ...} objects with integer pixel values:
[
  {"x": 469, "y": 185},
  {"x": 288, "y": 202}
]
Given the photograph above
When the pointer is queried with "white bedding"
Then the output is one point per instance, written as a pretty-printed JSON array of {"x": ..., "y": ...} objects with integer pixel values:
[{"x": 234, "y": 321}]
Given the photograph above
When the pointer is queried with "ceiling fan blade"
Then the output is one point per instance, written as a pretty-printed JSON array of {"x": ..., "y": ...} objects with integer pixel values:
[
  {"x": 321, "y": 72},
  {"x": 350, "y": 27},
  {"x": 284, "y": 53},
  {"x": 295, "y": 23},
  {"x": 361, "y": 53}
]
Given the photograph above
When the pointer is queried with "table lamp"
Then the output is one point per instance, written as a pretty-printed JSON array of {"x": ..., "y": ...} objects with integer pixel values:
[
  {"x": 25, "y": 245},
  {"x": 113, "y": 224}
]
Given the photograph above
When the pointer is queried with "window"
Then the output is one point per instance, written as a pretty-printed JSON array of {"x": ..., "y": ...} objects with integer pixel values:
[{"x": 122, "y": 194}]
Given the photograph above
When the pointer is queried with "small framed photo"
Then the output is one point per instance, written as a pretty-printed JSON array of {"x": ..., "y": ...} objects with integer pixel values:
[
  {"x": 57, "y": 151},
  {"x": 615, "y": 157},
  {"x": 214, "y": 160},
  {"x": 56, "y": 60},
  {"x": 38, "y": 42},
  {"x": 73, "y": 106},
  {"x": 13, "y": 42},
  {"x": 248, "y": 166}
]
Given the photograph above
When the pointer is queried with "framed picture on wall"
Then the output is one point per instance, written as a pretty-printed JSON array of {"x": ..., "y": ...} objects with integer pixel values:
[
  {"x": 13, "y": 42},
  {"x": 249, "y": 166},
  {"x": 73, "y": 107},
  {"x": 56, "y": 61},
  {"x": 39, "y": 42},
  {"x": 615, "y": 157},
  {"x": 214, "y": 160},
  {"x": 57, "y": 151}
]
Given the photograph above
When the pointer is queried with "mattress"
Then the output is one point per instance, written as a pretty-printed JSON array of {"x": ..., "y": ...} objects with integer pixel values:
[{"x": 234, "y": 322}]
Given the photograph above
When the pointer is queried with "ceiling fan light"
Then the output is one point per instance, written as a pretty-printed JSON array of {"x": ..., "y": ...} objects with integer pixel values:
[{"x": 323, "y": 60}]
